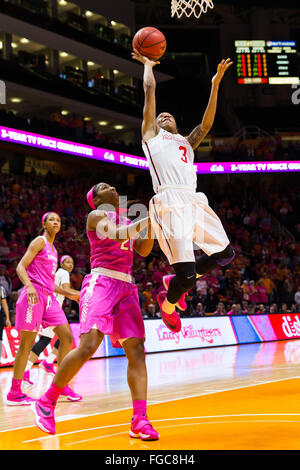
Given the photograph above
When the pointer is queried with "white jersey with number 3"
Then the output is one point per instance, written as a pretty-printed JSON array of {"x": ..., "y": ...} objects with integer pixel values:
[
  {"x": 171, "y": 160},
  {"x": 180, "y": 216}
]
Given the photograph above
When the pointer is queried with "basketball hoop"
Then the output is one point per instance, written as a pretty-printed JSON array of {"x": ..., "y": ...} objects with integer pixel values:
[{"x": 190, "y": 7}]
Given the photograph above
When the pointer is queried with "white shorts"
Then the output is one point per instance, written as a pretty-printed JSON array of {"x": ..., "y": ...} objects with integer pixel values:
[{"x": 181, "y": 217}]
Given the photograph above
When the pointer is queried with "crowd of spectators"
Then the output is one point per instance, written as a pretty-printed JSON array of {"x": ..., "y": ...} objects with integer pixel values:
[
  {"x": 254, "y": 148},
  {"x": 263, "y": 278}
]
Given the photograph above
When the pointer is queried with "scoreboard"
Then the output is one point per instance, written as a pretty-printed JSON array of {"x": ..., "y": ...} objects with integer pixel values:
[{"x": 266, "y": 62}]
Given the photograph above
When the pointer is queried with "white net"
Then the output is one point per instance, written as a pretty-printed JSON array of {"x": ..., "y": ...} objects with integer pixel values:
[{"x": 190, "y": 7}]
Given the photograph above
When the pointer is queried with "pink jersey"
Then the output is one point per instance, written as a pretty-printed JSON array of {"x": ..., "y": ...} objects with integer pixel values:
[
  {"x": 42, "y": 269},
  {"x": 106, "y": 253}
]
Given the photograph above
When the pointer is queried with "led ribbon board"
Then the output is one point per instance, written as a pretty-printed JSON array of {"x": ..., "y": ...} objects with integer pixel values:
[{"x": 105, "y": 155}]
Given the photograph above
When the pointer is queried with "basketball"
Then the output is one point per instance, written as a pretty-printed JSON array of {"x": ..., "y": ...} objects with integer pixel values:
[{"x": 150, "y": 42}]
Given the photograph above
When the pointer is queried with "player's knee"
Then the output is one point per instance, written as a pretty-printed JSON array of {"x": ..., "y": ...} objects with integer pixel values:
[
  {"x": 41, "y": 344},
  {"x": 185, "y": 275},
  {"x": 135, "y": 350},
  {"x": 226, "y": 256},
  {"x": 86, "y": 351}
]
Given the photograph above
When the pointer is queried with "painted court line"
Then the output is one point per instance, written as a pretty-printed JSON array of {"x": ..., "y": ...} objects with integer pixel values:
[
  {"x": 243, "y": 415},
  {"x": 181, "y": 425}
]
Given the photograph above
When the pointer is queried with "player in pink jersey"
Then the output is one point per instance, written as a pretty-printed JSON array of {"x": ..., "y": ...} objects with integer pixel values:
[
  {"x": 109, "y": 304},
  {"x": 38, "y": 306}
]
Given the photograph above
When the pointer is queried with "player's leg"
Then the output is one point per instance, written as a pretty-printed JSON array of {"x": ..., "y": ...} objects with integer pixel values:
[
  {"x": 173, "y": 226},
  {"x": 75, "y": 359},
  {"x": 206, "y": 263},
  {"x": 28, "y": 320},
  {"x": 47, "y": 363},
  {"x": 182, "y": 282},
  {"x": 137, "y": 382},
  {"x": 36, "y": 350},
  {"x": 183, "y": 263},
  {"x": 95, "y": 306},
  {"x": 65, "y": 336},
  {"x": 129, "y": 332},
  {"x": 55, "y": 348},
  {"x": 15, "y": 395},
  {"x": 68, "y": 368},
  {"x": 2, "y": 325}
]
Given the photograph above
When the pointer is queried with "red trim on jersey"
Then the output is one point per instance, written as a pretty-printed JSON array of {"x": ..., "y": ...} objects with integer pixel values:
[{"x": 153, "y": 163}]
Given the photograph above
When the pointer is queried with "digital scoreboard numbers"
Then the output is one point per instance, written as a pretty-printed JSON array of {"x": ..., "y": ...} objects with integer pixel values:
[{"x": 266, "y": 62}]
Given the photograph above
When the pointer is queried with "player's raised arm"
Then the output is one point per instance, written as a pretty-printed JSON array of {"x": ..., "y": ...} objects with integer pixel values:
[
  {"x": 149, "y": 127},
  {"x": 199, "y": 133}
]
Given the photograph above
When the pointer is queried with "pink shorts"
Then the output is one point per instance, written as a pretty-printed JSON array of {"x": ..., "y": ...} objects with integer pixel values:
[
  {"x": 112, "y": 306},
  {"x": 47, "y": 312}
]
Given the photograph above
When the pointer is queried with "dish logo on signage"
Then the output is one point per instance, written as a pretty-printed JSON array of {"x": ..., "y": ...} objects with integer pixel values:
[
  {"x": 291, "y": 327},
  {"x": 285, "y": 326}
]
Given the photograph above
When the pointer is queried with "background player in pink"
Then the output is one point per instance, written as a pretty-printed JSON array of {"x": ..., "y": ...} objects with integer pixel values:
[
  {"x": 37, "y": 304},
  {"x": 62, "y": 279},
  {"x": 109, "y": 304},
  {"x": 180, "y": 216}
]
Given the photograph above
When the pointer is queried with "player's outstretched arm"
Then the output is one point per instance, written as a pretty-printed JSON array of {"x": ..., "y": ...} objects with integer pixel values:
[
  {"x": 143, "y": 244},
  {"x": 200, "y": 132},
  {"x": 98, "y": 221},
  {"x": 149, "y": 127}
]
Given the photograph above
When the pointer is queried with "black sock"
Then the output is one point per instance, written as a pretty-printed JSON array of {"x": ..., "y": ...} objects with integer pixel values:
[
  {"x": 183, "y": 281},
  {"x": 205, "y": 264}
]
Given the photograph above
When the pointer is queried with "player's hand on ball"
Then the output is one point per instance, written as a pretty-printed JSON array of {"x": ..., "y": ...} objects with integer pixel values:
[
  {"x": 143, "y": 59},
  {"x": 222, "y": 67}
]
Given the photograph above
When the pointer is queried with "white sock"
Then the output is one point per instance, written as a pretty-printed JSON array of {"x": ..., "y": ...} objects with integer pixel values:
[
  {"x": 29, "y": 365},
  {"x": 51, "y": 358}
]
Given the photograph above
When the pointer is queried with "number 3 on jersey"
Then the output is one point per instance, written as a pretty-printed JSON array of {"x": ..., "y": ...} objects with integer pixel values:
[{"x": 184, "y": 156}]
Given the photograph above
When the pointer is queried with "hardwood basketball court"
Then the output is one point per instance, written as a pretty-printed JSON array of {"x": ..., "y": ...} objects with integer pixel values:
[{"x": 238, "y": 397}]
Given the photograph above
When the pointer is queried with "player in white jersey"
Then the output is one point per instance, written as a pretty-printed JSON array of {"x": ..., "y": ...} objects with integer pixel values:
[
  {"x": 62, "y": 279},
  {"x": 180, "y": 216}
]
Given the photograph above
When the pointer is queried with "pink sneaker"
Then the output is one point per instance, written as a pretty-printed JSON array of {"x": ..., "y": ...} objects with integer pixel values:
[
  {"x": 18, "y": 398},
  {"x": 172, "y": 321},
  {"x": 26, "y": 377},
  {"x": 141, "y": 428},
  {"x": 47, "y": 367},
  {"x": 70, "y": 394},
  {"x": 44, "y": 416},
  {"x": 181, "y": 304}
]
